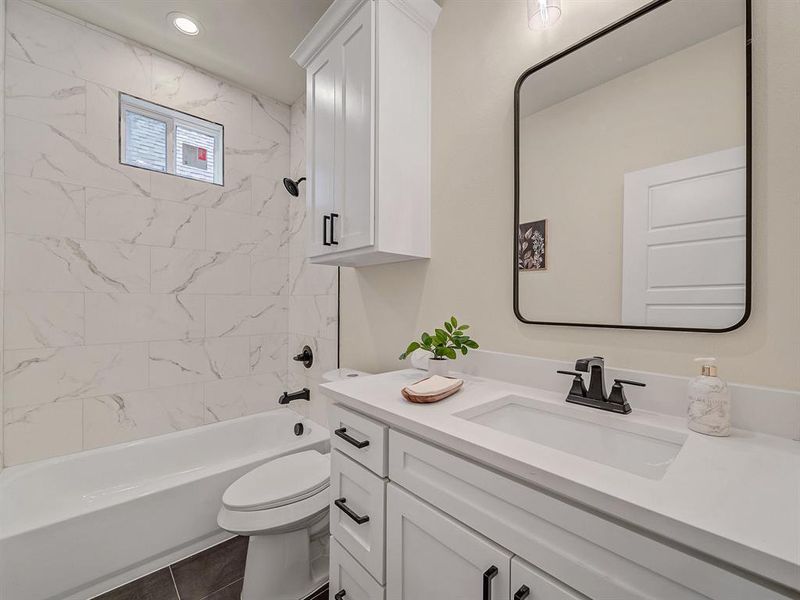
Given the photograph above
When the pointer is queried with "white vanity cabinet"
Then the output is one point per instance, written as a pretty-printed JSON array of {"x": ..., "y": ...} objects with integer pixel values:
[
  {"x": 368, "y": 131},
  {"x": 444, "y": 527},
  {"x": 434, "y": 556}
]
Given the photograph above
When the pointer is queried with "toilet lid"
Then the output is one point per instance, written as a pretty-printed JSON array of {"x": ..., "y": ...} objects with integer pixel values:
[{"x": 287, "y": 479}]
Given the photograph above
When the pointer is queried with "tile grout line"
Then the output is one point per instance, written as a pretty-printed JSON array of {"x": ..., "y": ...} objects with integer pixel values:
[
  {"x": 226, "y": 586},
  {"x": 174, "y": 585}
]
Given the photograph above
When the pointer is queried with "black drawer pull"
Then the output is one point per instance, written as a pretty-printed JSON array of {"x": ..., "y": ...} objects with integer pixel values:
[
  {"x": 339, "y": 595},
  {"x": 340, "y": 502},
  {"x": 522, "y": 593},
  {"x": 334, "y": 216},
  {"x": 342, "y": 433},
  {"x": 325, "y": 220},
  {"x": 490, "y": 574}
]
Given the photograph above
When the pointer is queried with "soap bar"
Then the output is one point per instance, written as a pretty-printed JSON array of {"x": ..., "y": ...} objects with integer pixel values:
[{"x": 434, "y": 385}]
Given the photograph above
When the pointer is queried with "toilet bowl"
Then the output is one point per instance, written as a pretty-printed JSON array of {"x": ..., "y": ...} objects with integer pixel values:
[{"x": 283, "y": 506}]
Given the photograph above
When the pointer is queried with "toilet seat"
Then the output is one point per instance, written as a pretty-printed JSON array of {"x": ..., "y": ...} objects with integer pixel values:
[
  {"x": 284, "y": 494},
  {"x": 285, "y": 480}
]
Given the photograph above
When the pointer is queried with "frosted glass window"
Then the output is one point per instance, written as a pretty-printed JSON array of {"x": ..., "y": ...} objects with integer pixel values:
[
  {"x": 188, "y": 144},
  {"x": 161, "y": 139},
  {"x": 146, "y": 142}
]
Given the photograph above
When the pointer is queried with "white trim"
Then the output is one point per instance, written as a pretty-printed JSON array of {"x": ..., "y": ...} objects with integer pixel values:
[
  {"x": 424, "y": 12},
  {"x": 328, "y": 25}
]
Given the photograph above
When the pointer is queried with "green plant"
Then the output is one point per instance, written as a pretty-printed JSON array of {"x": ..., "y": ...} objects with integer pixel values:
[{"x": 444, "y": 343}]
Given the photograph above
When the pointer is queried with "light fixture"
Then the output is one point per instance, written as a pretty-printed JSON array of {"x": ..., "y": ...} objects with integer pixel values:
[
  {"x": 543, "y": 13},
  {"x": 184, "y": 23}
]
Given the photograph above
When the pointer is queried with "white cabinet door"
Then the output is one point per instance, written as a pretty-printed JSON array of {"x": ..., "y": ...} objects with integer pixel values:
[
  {"x": 431, "y": 556},
  {"x": 530, "y": 583},
  {"x": 353, "y": 219},
  {"x": 321, "y": 80}
]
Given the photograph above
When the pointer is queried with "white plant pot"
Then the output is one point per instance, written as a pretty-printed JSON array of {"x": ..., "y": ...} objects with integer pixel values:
[{"x": 438, "y": 366}]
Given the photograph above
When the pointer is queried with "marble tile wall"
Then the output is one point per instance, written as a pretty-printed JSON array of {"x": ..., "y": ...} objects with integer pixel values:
[{"x": 139, "y": 303}]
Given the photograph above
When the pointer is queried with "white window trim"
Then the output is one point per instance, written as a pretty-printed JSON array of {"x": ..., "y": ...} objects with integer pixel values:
[{"x": 172, "y": 118}]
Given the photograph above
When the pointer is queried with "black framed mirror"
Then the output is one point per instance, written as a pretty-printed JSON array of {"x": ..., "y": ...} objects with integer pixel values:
[{"x": 632, "y": 174}]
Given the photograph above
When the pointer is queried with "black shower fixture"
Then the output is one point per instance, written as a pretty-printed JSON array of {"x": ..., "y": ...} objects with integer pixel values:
[{"x": 291, "y": 185}]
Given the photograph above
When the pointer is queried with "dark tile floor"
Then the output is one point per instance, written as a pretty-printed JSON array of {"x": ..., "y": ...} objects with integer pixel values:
[{"x": 213, "y": 574}]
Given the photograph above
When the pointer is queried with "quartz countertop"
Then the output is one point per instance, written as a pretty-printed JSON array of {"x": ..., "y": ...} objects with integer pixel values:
[{"x": 735, "y": 498}]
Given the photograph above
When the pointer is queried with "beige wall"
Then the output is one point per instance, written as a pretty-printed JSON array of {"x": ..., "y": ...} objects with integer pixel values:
[
  {"x": 574, "y": 156},
  {"x": 480, "y": 48}
]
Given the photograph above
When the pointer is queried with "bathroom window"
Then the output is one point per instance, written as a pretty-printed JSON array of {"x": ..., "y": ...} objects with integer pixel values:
[{"x": 161, "y": 139}]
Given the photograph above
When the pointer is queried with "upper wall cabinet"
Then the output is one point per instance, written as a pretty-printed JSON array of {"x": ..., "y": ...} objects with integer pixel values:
[{"x": 368, "y": 88}]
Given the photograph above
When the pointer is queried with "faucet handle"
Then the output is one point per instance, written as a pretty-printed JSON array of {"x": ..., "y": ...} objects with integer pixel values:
[
  {"x": 629, "y": 382},
  {"x": 578, "y": 387},
  {"x": 617, "y": 395}
]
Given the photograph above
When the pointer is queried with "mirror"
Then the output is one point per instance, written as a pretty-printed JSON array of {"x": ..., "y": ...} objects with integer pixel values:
[{"x": 632, "y": 174}]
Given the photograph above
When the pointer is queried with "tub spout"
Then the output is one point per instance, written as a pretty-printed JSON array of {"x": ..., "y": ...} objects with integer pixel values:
[{"x": 303, "y": 394}]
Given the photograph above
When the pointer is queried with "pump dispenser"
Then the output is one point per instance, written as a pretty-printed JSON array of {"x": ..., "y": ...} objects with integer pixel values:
[{"x": 709, "y": 401}]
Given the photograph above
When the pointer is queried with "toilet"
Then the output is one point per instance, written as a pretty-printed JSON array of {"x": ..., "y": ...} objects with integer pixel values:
[{"x": 283, "y": 506}]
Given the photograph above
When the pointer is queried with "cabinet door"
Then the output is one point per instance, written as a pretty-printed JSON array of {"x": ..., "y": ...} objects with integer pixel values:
[
  {"x": 321, "y": 80},
  {"x": 431, "y": 556},
  {"x": 354, "y": 221},
  {"x": 530, "y": 583}
]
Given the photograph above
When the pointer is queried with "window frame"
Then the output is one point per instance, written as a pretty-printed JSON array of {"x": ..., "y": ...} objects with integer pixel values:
[{"x": 172, "y": 118}]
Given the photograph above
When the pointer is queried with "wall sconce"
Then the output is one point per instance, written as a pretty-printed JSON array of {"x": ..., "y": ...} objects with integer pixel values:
[{"x": 543, "y": 13}]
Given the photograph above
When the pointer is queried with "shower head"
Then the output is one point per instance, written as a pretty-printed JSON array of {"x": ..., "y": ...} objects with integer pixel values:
[{"x": 291, "y": 186}]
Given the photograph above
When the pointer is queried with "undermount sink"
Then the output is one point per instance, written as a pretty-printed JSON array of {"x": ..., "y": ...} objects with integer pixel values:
[{"x": 643, "y": 450}]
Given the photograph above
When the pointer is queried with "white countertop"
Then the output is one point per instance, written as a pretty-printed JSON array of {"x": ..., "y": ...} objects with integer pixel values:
[{"x": 736, "y": 499}]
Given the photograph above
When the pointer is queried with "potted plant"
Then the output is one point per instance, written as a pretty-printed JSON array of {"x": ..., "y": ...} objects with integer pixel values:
[{"x": 444, "y": 344}]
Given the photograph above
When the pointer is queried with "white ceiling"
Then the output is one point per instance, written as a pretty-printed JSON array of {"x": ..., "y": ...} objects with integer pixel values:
[
  {"x": 662, "y": 32},
  {"x": 245, "y": 41}
]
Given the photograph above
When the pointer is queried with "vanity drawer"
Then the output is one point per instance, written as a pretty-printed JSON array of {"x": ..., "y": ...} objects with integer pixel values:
[
  {"x": 358, "y": 513},
  {"x": 595, "y": 556},
  {"x": 349, "y": 580},
  {"x": 540, "y": 585},
  {"x": 360, "y": 438}
]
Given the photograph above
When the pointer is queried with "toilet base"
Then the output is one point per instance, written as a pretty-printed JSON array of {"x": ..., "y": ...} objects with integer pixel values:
[{"x": 285, "y": 566}]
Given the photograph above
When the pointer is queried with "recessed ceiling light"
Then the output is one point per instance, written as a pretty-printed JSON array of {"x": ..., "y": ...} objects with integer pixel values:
[{"x": 184, "y": 23}]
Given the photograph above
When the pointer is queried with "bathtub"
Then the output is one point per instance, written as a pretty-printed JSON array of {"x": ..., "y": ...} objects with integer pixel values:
[{"x": 75, "y": 526}]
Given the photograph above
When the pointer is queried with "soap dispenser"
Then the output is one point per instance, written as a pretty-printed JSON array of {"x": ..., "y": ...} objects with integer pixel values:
[{"x": 709, "y": 401}]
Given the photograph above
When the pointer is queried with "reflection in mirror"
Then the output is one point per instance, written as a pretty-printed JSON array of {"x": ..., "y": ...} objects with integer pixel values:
[{"x": 633, "y": 174}]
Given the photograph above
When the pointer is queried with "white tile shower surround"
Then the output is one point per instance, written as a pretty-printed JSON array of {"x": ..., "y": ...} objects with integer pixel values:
[{"x": 139, "y": 303}]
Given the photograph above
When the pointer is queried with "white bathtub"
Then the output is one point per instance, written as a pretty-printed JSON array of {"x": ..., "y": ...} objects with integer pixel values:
[{"x": 75, "y": 526}]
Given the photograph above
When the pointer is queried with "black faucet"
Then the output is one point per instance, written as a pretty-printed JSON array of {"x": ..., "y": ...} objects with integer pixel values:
[
  {"x": 595, "y": 396},
  {"x": 304, "y": 394},
  {"x": 597, "y": 383}
]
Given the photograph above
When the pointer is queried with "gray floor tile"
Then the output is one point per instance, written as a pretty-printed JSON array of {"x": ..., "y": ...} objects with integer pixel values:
[
  {"x": 156, "y": 586},
  {"x": 211, "y": 570}
]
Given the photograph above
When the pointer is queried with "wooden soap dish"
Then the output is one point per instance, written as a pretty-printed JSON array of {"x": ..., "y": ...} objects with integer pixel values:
[{"x": 421, "y": 399}]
